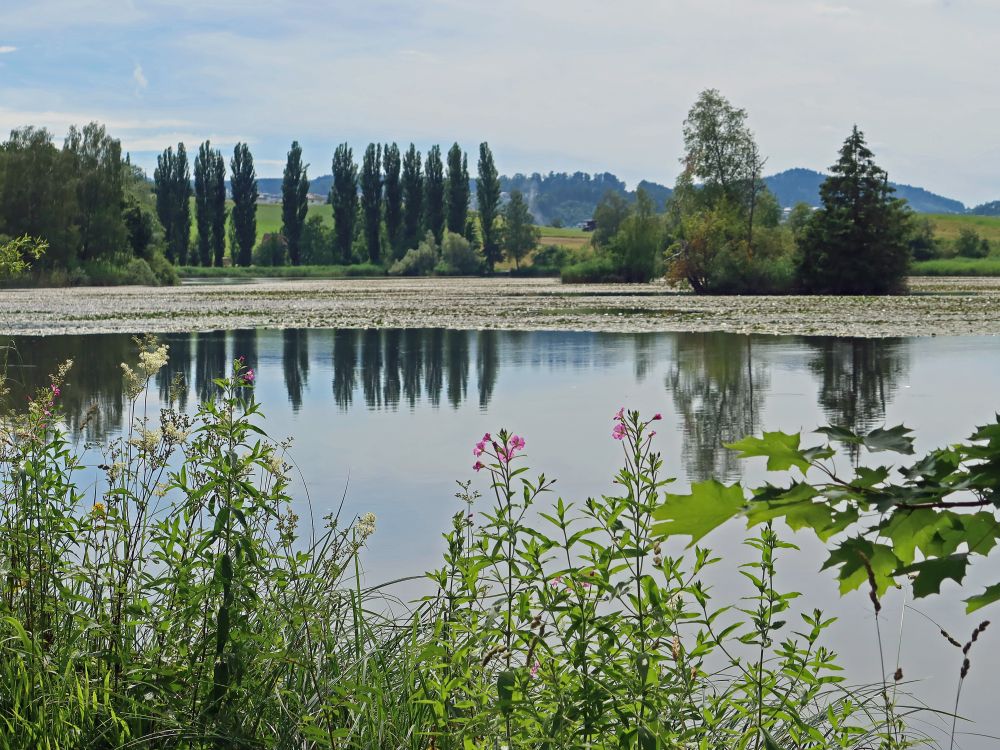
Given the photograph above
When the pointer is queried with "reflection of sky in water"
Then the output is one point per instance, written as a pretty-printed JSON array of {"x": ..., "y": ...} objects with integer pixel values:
[{"x": 390, "y": 418}]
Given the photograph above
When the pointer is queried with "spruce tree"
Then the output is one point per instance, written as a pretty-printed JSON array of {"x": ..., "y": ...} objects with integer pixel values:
[
  {"x": 434, "y": 186},
  {"x": 488, "y": 198},
  {"x": 217, "y": 199},
  {"x": 371, "y": 200},
  {"x": 856, "y": 243},
  {"x": 458, "y": 189},
  {"x": 244, "y": 217},
  {"x": 294, "y": 202},
  {"x": 344, "y": 198},
  {"x": 413, "y": 198},
  {"x": 393, "y": 200},
  {"x": 204, "y": 164}
]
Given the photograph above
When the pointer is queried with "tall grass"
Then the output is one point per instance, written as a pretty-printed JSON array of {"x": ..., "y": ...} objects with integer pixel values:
[{"x": 180, "y": 602}]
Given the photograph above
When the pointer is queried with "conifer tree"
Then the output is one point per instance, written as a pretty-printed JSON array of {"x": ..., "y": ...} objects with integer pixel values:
[
  {"x": 244, "y": 217},
  {"x": 413, "y": 197},
  {"x": 458, "y": 189},
  {"x": 393, "y": 200},
  {"x": 488, "y": 198},
  {"x": 294, "y": 202},
  {"x": 344, "y": 198},
  {"x": 434, "y": 187},
  {"x": 371, "y": 200},
  {"x": 856, "y": 242}
]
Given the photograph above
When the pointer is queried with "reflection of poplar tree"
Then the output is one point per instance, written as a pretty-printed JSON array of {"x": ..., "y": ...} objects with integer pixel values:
[
  {"x": 434, "y": 365},
  {"x": 645, "y": 354},
  {"x": 179, "y": 363},
  {"x": 857, "y": 378},
  {"x": 295, "y": 362},
  {"x": 371, "y": 367},
  {"x": 391, "y": 389},
  {"x": 345, "y": 362},
  {"x": 210, "y": 362},
  {"x": 718, "y": 391},
  {"x": 487, "y": 366},
  {"x": 412, "y": 367},
  {"x": 458, "y": 367}
]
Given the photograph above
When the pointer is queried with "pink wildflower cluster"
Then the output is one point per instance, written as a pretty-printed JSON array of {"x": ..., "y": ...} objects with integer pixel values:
[
  {"x": 619, "y": 431},
  {"x": 504, "y": 452},
  {"x": 248, "y": 375}
]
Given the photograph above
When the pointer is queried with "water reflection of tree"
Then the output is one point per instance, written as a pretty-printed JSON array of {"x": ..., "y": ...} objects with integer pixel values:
[
  {"x": 295, "y": 363},
  {"x": 345, "y": 362},
  {"x": 645, "y": 354},
  {"x": 434, "y": 365},
  {"x": 391, "y": 386},
  {"x": 371, "y": 367},
  {"x": 210, "y": 363},
  {"x": 857, "y": 378},
  {"x": 412, "y": 364},
  {"x": 178, "y": 366},
  {"x": 718, "y": 390},
  {"x": 92, "y": 397},
  {"x": 487, "y": 365},
  {"x": 458, "y": 367}
]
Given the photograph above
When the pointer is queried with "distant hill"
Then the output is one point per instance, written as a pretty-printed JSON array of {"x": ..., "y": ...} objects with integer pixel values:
[
  {"x": 986, "y": 209},
  {"x": 802, "y": 186}
]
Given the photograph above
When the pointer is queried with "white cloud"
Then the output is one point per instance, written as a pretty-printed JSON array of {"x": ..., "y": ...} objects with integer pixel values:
[
  {"x": 139, "y": 77},
  {"x": 7, "y": 49}
]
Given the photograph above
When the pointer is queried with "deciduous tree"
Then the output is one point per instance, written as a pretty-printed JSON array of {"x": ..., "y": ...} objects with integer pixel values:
[
  {"x": 244, "y": 216},
  {"x": 520, "y": 235},
  {"x": 413, "y": 197},
  {"x": 393, "y": 199},
  {"x": 458, "y": 189},
  {"x": 371, "y": 200},
  {"x": 344, "y": 198},
  {"x": 434, "y": 187},
  {"x": 294, "y": 202},
  {"x": 488, "y": 199}
]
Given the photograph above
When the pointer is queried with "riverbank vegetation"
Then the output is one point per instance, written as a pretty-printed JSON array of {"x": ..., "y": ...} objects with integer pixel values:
[{"x": 181, "y": 601}]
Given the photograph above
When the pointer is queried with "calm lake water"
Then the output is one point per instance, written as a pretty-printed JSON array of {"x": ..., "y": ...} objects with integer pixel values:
[{"x": 388, "y": 419}]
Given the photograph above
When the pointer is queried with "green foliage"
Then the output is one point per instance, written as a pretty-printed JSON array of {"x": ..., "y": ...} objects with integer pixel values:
[
  {"x": 418, "y": 261},
  {"x": 609, "y": 215},
  {"x": 371, "y": 200},
  {"x": 172, "y": 177},
  {"x": 597, "y": 270},
  {"x": 16, "y": 255},
  {"x": 210, "y": 204},
  {"x": 637, "y": 246},
  {"x": 857, "y": 242},
  {"x": 457, "y": 188},
  {"x": 413, "y": 197},
  {"x": 488, "y": 201},
  {"x": 434, "y": 194},
  {"x": 957, "y": 267},
  {"x": 100, "y": 181},
  {"x": 317, "y": 242},
  {"x": 459, "y": 257},
  {"x": 244, "y": 215},
  {"x": 344, "y": 199},
  {"x": 970, "y": 245},
  {"x": 391, "y": 166},
  {"x": 271, "y": 251},
  {"x": 520, "y": 235},
  {"x": 921, "y": 239},
  {"x": 294, "y": 202}
]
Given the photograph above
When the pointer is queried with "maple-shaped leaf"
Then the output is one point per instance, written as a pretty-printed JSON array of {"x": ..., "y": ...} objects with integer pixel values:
[
  {"x": 780, "y": 448},
  {"x": 709, "y": 505},
  {"x": 896, "y": 439},
  {"x": 851, "y": 556},
  {"x": 932, "y": 573},
  {"x": 990, "y": 595}
]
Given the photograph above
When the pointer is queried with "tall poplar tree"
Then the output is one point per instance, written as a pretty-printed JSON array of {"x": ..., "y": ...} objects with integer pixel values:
[
  {"x": 458, "y": 189},
  {"x": 217, "y": 200},
  {"x": 172, "y": 181},
  {"x": 488, "y": 198},
  {"x": 163, "y": 180},
  {"x": 344, "y": 197},
  {"x": 434, "y": 186},
  {"x": 413, "y": 197},
  {"x": 393, "y": 200},
  {"x": 244, "y": 218},
  {"x": 371, "y": 200},
  {"x": 294, "y": 202},
  {"x": 204, "y": 164}
]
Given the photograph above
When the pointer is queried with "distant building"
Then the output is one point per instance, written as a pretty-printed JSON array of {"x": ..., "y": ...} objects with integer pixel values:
[{"x": 589, "y": 225}]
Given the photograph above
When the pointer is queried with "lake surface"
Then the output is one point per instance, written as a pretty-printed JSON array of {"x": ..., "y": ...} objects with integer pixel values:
[{"x": 387, "y": 419}]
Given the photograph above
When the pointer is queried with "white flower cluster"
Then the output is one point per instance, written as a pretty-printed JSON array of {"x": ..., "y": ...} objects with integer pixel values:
[{"x": 365, "y": 527}]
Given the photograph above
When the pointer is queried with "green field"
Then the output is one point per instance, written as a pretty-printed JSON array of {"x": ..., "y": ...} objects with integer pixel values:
[{"x": 948, "y": 226}]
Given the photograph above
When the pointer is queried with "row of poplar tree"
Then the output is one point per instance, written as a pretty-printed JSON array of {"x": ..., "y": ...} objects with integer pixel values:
[{"x": 401, "y": 193}]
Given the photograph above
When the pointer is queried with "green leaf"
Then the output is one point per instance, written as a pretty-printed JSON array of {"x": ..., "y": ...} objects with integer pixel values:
[
  {"x": 769, "y": 742},
  {"x": 505, "y": 692},
  {"x": 990, "y": 595},
  {"x": 895, "y": 439},
  {"x": 931, "y": 573},
  {"x": 851, "y": 555},
  {"x": 909, "y": 529},
  {"x": 780, "y": 448},
  {"x": 709, "y": 505}
]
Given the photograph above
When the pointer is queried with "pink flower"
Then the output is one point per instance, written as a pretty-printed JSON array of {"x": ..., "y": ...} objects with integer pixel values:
[
  {"x": 486, "y": 438},
  {"x": 534, "y": 668},
  {"x": 505, "y": 455},
  {"x": 556, "y": 581},
  {"x": 620, "y": 416},
  {"x": 478, "y": 465},
  {"x": 56, "y": 391},
  {"x": 241, "y": 359},
  {"x": 516, "y": 443},
  {"x": 478, "y": 450},
  {"x": 652, "y": 433},
  {"x": 248, "y": 376},
  {"x": 656, "y": 417},
  {"x": 618, "y": 433}
]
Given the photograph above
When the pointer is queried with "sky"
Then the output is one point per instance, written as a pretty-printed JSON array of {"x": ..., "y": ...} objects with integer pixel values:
[{"x": 561, "y": 85}]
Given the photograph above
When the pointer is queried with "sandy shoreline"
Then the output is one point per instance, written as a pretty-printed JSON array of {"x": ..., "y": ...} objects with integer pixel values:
[{"x": 937, "y": 307}]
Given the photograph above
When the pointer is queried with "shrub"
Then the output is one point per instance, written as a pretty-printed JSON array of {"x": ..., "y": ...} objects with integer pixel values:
[
  {"x": 419, "y": 261},
  {"x": 271, "y": 251},
  {"x": 598, "y": 270},
  {"x": 138, "y": 273},
  {"x": 458, "y": 257},
  {"x": 970, "y": 245},
  {"x": 164, "y": 271}
]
